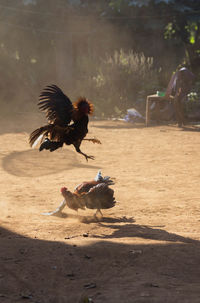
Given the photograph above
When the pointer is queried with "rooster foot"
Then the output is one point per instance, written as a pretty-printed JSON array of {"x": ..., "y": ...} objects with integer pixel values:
[
  {"x": 94, "y": 140},
  {"x": 89, "y": 157}
]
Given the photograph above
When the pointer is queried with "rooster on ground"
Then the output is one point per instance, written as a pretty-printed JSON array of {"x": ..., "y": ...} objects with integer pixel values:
[
  {"x": 60, "y": 112},
  {"x": 95, "y": 194}
]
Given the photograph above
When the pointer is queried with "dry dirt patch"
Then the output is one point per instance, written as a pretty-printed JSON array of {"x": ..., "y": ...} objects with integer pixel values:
[{"x": 146, "y": 249}]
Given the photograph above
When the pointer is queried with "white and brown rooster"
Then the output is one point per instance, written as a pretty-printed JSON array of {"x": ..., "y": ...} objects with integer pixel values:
[{"x": 95, "y": 194}]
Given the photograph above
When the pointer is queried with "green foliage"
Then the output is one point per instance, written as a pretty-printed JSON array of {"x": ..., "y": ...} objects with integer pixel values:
[
  {"x": 121, "y": 79},
  {"x": 188, "y": 31},
  {"x": 192, "y": 29},
  {"x": 169, "y": 31},
  {"x": 184, "y": 27},
  {"x": 63, "y": 42},
  {"x": 178, "y": 22},
  {"x": 116, "y": 4},
  {"x": 192, "y": 97},
  {"x": 192, "y": 104}
]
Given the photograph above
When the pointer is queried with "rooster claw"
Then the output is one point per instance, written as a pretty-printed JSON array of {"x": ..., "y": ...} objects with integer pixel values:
[
  {"x": 89, "y": 157},
  {"x": 94, "y": 140},
  {"x": 97, "y": 141}
]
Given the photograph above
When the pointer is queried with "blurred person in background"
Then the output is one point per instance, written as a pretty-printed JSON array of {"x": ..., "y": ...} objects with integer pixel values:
[{"x": 179, "y": 87}]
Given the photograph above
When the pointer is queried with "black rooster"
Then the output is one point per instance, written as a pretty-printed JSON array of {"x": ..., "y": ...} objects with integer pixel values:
[{"x": 60, "y": 112}]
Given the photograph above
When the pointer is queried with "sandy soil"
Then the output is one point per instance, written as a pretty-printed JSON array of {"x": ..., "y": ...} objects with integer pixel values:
[{"x": 145, "y": 249}]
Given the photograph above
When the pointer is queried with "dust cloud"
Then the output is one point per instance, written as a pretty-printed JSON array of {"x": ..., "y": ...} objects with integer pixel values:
[{"x": 46, "y": 42}]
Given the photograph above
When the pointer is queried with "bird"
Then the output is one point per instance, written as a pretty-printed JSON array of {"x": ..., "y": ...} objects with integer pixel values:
[
  {"x": 67, "y": 121},
  {"x": 94, "y": 194},
  {"x": 87, "y": 185}
]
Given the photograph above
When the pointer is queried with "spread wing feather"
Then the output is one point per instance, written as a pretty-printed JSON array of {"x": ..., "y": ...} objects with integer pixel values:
[{"x": 56, "y": 104}]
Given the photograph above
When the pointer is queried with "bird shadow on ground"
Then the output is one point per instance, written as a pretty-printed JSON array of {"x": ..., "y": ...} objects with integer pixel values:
[
  {"x": 122, "y": 219},
  {"x": 143, "y": 231},
  {"x": 32, "y": 163},
  {"x": 124, "y": 227},
  {"x": 93, "y": 219}
]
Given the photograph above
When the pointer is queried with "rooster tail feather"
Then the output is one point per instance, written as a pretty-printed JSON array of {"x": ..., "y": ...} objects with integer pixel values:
[
  {"x": 38, "y": 134},
  {"x": 57, "y": 211},
  {"x": 98, "y": 176},
  {"x": 39, "y": 139}
]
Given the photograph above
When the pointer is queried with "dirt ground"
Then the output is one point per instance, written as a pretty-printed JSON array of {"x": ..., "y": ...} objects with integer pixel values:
[{"x": 145, "y": 249}]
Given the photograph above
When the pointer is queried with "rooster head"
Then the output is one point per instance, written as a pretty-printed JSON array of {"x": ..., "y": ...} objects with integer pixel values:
[
  {"x": 63, "y": 190},
  {"x": 66, "y": 193},
  {"x": 83, "y": 105}
]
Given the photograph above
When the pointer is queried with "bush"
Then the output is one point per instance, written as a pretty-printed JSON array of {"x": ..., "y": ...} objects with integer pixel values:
[
  {"x": 123, "y": 80},
  {"x": 192, "y": 103}
]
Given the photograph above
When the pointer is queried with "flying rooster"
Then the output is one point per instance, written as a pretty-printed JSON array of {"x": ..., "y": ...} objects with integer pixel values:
[
  {"x": 60, "y": 112},
  {"x": 94, "y": 194}
]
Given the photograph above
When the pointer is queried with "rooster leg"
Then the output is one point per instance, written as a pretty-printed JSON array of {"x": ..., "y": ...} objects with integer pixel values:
[
  {"x": 80, "y": 152},
  {"x": 98, "y": 211},
  {"x": 87, "y": 157}
]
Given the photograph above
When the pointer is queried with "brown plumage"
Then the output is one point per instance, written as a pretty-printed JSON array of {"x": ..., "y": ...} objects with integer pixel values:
[
  {"x": 60, "y": 112},
  {"x": 95, "y": 194}
]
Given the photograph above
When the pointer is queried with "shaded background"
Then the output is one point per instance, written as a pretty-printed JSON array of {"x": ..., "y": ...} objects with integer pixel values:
[{"x": 113, "y": 52}]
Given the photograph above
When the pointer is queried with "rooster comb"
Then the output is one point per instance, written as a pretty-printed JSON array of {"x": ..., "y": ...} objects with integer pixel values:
[
  {"x": 83, "y": 101},
  {"x": 63, "y": 189}
]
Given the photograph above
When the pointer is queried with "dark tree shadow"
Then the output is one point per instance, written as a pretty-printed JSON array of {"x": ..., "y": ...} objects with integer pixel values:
[{"x": 34, "y": 270}]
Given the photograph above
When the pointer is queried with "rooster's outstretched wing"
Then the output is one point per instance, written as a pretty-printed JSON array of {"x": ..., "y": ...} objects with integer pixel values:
[{"x": 56, "y": 104}]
